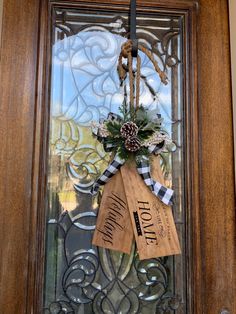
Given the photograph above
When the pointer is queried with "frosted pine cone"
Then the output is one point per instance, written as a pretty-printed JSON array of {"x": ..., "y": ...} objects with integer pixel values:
[
  {"x": 129, "y": 129},
  {"x": 132, "y": 144}
]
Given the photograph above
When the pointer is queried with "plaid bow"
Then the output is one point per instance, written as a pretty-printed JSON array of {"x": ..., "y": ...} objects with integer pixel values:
[
  {"x": 143, "y": 168},
  {"x": 107, "y": 174},
  {"x": 163, "y": 193}
]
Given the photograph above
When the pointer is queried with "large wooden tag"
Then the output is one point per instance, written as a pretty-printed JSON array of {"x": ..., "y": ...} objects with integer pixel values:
[
  {"x": 113, "y": 228},
  {"x": 152, "y": 221}
]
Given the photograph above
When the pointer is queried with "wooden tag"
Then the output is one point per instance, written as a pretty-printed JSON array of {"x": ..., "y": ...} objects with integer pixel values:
[
  {"x": 152, "y": 221},
  {"x": 113, "y": 228}
]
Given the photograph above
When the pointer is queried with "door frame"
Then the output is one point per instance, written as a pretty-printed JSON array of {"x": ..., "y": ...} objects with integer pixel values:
[
  {"x": 232, "y": 10},
  {"x": 23, "y": 167}
]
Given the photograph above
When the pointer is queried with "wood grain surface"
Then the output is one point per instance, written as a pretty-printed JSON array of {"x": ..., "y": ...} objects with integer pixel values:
[
  {"x": 113, "y": 227},
  {"x": 209, "y": 164},
  {"x": 17, "y": 117},
  {"x": 152, "y": 221},
  {"x": 217, "y": 225}
]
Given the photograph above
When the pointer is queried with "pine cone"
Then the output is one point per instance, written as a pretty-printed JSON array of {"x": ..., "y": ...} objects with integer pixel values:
[
  {"x": 129, "y": 129},
  {"x": 132, "y": 144}
]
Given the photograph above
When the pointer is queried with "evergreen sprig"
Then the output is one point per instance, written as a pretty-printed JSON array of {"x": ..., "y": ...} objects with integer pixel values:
[{"x": 148, "y": 123}]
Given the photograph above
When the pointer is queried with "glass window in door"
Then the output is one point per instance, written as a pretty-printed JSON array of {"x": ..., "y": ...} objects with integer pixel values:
[{"x": 85, "y": 87}]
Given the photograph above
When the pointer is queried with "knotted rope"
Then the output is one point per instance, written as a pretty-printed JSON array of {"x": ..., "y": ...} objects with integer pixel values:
[{"x": 126, "y": 53}]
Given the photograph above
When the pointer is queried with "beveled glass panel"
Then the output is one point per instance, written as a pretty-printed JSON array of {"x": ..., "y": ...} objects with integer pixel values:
[{"x": 79, "y": 277}]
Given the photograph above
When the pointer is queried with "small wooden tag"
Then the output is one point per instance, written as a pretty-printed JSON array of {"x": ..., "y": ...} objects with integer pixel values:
[
  {"x": 152, "y": 221},
  {"x": 113, "y": 228}
]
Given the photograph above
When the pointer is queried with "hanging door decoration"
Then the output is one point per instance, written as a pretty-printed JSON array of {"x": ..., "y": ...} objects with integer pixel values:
[{"x": 135, "y": 200}]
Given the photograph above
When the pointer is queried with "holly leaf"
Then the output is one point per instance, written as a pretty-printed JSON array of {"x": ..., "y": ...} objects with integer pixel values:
[{"x": 114, "y": 128}]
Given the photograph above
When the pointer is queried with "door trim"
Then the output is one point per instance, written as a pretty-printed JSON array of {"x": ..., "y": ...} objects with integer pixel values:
[
  {"x": 23, "y": 169},
  {"x": 189, "y": 10}
]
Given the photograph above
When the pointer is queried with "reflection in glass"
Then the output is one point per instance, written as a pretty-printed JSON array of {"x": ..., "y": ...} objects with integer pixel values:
[{"x": 81, "y": 278}]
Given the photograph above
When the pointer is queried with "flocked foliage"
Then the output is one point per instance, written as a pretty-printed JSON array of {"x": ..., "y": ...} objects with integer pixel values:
[{"x": 132, "y": 132}]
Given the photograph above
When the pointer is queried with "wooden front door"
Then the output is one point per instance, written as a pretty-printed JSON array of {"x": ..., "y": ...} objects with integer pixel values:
[{"x": 53, "y": 83}]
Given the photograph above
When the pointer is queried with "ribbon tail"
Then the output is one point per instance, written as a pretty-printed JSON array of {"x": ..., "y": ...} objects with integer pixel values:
[
  {"x": 159, "y": 190},
  {"x": 111, "y": 170}
]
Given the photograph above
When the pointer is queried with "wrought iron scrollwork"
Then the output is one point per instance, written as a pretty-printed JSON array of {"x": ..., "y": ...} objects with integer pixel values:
[{"x": 103, "y": 281}]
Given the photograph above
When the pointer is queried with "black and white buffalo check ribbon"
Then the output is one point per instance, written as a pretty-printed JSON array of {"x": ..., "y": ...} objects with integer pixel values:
[
  {"x": 163, "y": 193},
  {"x": 107, "y": 174},
  {"x": 143, "y": 168}
]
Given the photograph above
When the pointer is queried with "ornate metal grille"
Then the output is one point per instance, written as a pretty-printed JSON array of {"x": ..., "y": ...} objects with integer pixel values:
[{"x": 81, "y": 278}]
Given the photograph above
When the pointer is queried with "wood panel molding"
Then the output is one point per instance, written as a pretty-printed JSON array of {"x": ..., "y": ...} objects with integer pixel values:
[
  {"x": 188, "y": 9},
  {"x": 217, "y": 163},
  {"x": 1, "y": 9},
  {"x": 17, "y": 114},
  {"x": 232, "y": 15}
]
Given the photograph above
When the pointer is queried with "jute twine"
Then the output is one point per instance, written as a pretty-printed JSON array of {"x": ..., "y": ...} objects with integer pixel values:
[{"x": 126, "y": 52}]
